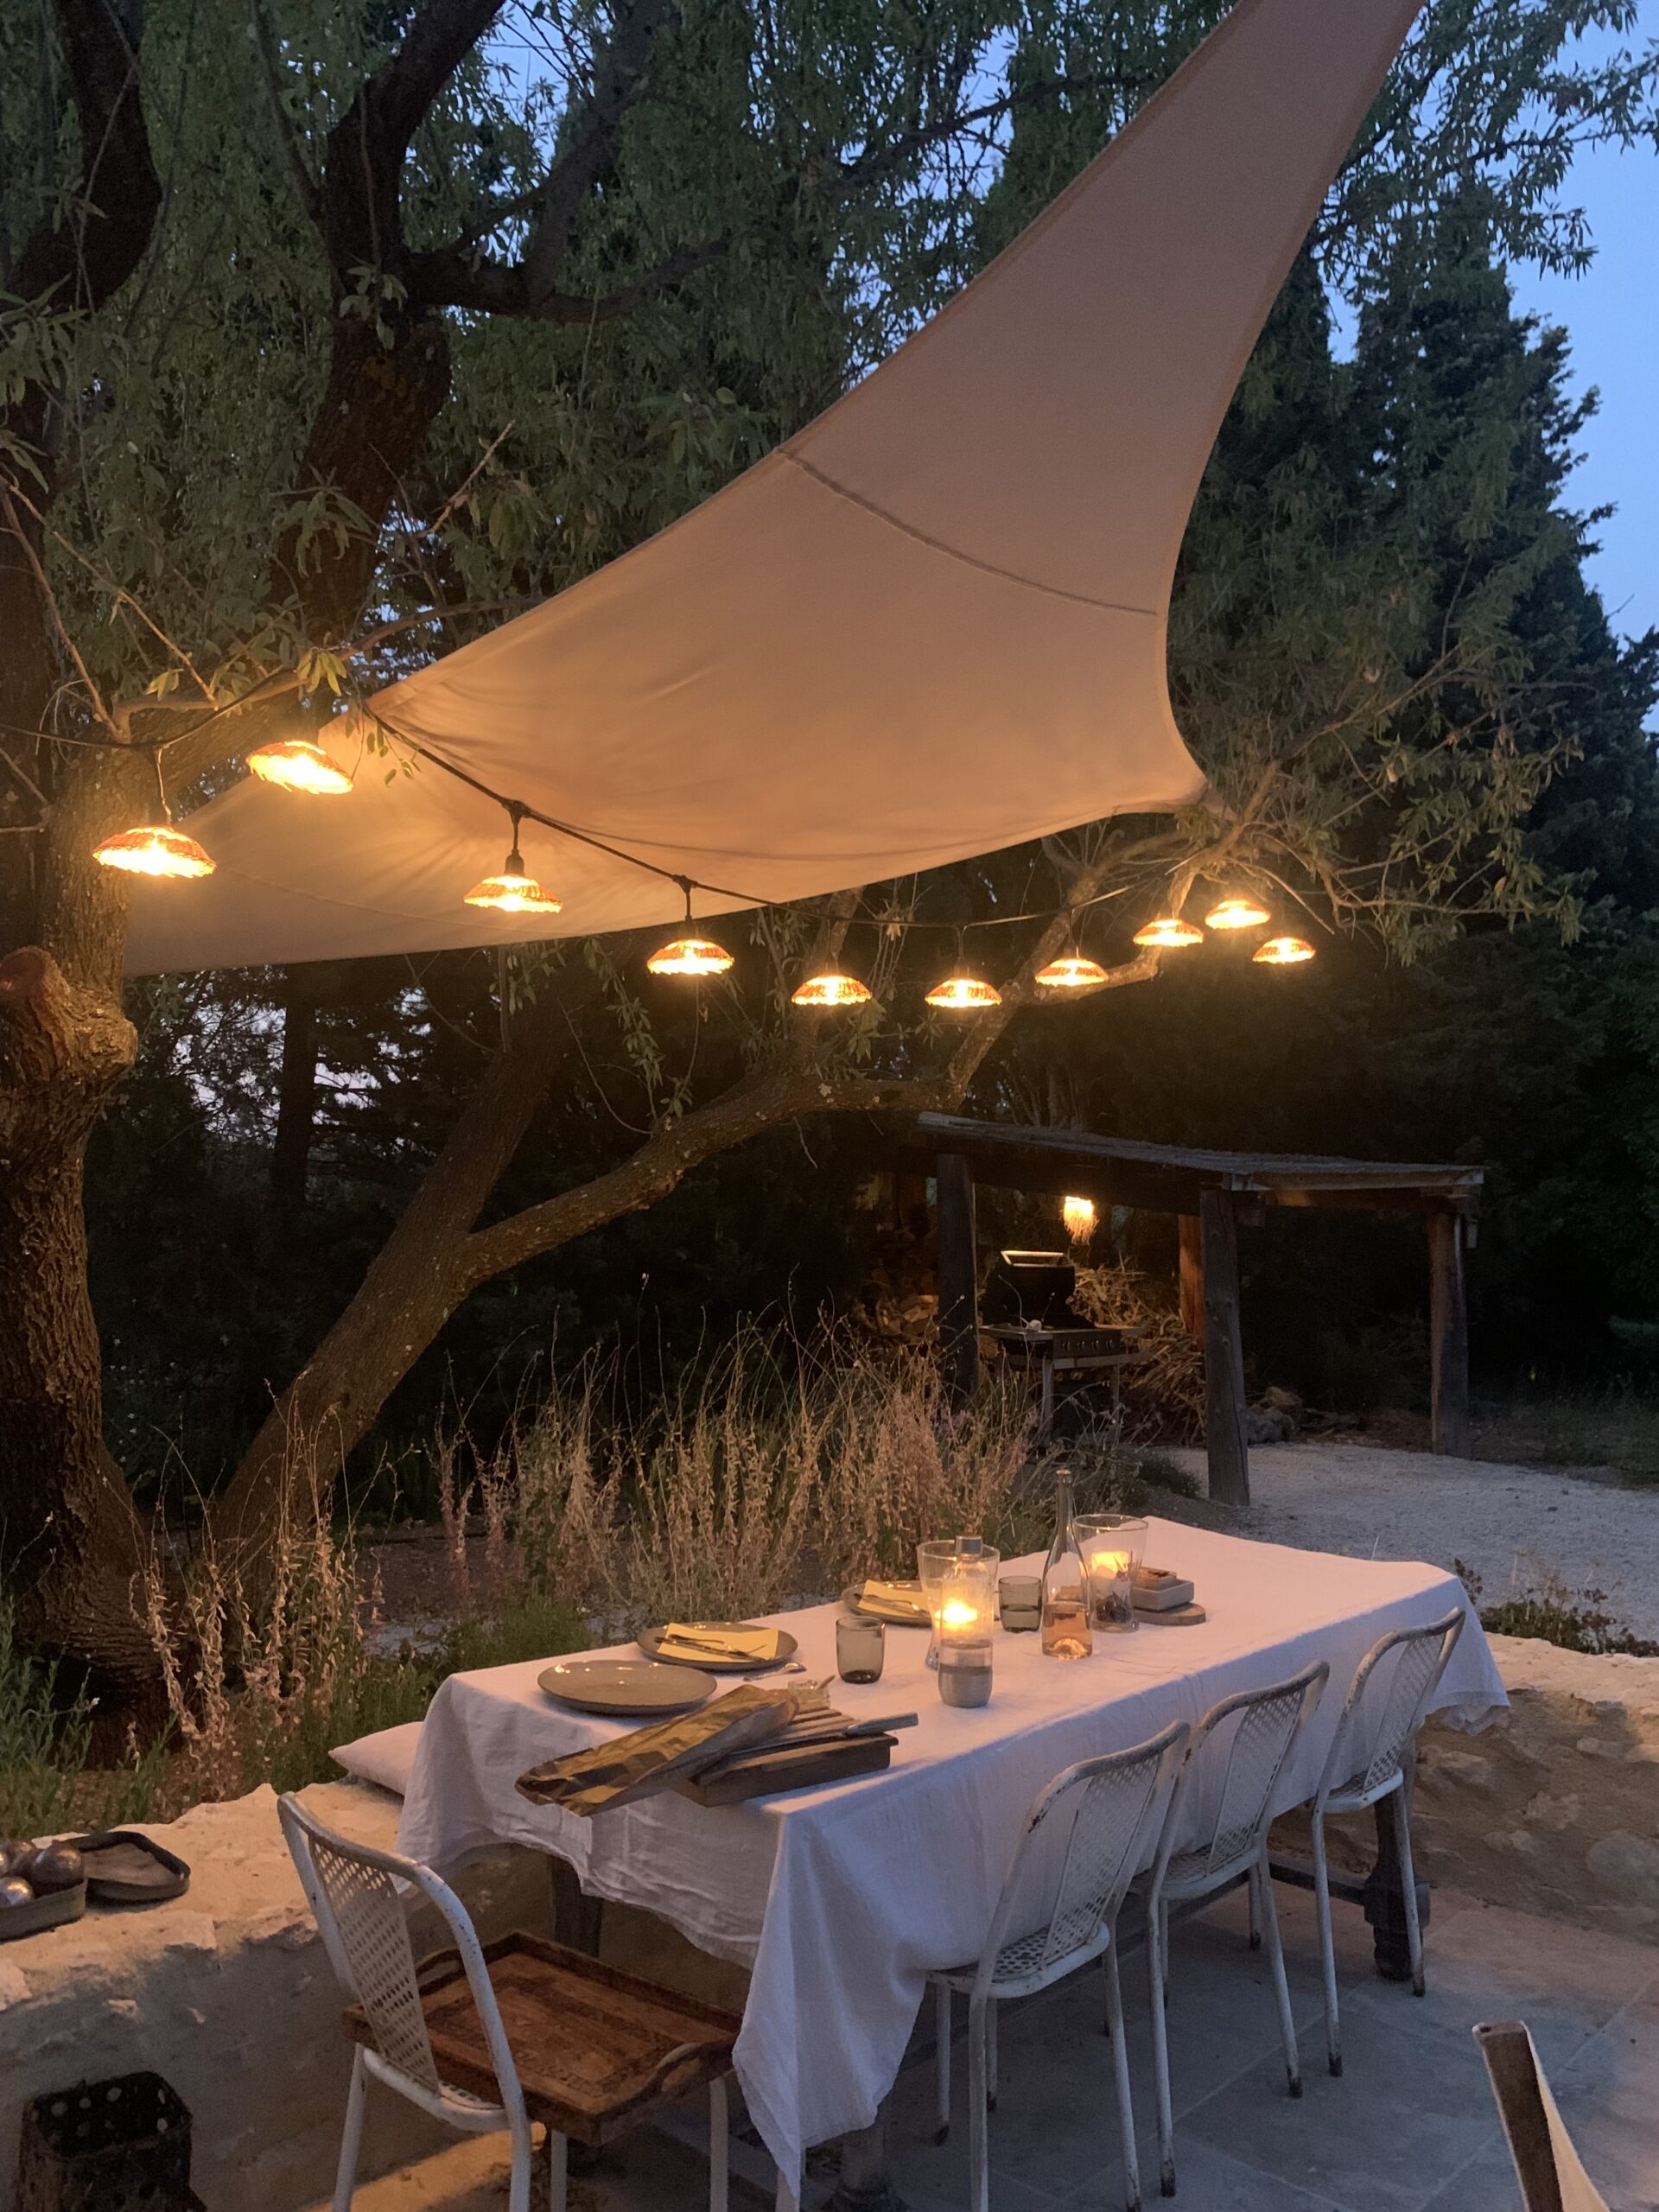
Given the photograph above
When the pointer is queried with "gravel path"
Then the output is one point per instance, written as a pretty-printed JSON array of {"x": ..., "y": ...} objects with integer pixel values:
[{"x": 1513, "y": 1525}]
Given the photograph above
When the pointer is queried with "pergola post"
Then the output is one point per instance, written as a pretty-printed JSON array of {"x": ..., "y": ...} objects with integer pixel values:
[
  {"x": 1448, "y": 1336},
  {"x": 958, "y": 1268},
  {"x": 1223, "y": 1351},
  {"x": 1191, "y": 1233}
]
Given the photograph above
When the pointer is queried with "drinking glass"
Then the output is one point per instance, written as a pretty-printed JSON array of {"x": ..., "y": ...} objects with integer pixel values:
[
  {"x": 1022, "y": 1602},
  {"x": 860, "y": 1649}
]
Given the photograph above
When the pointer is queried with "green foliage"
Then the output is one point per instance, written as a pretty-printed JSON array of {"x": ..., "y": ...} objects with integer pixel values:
[{"x": 46, "y": 1786}]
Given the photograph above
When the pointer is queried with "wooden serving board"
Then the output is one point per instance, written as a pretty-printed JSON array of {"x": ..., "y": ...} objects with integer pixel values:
[
  {"x": 1174, "y": 1617},
  {"x": 788, "y": 1766}
]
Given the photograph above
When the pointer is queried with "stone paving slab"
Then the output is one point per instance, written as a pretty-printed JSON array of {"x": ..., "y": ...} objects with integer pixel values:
[{"x": 1408, "y": 2127}]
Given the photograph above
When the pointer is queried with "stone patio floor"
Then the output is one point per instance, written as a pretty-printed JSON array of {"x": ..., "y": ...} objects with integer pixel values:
[{"x": 1410, "y": 2127}]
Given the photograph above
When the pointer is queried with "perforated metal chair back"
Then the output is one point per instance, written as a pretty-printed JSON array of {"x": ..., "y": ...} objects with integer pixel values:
[
  {"x": 361, "y": 1911},
  {"x": 1085, "y": 1838},
  {"x": 1251, "y": 1734},
  {"x": 1385, "y": 1703}
]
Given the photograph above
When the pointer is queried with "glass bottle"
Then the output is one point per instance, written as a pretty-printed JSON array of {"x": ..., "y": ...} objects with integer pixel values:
[{"x": 1067, "y": 1632}]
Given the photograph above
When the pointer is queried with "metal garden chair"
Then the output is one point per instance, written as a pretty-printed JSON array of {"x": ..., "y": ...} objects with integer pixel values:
[
  {"x": 1248, "y": 1736},
  {"x": 1391, "y": 1692},
  {"x": 498, "y": 2038},
  {"x": 1084, "y": 1839}
]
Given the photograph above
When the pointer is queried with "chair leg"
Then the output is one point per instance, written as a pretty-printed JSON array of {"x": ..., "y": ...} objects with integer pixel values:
[
  {"x": 1409, "y": 1881},
  {"x": 1280, "y": 1986},
  {"x": 1155, "y": 1985},
  {"x": 351, "y": 2141},
  {"x": 990, "y": 2053},
  {"x": 942, "y": 2036},
  {"x": 979, "y": 2118},
  {"x": 1255, "y": 1913},
  {"x": 719, "y": 2147},
  {"x": 1120, "y": 2071},
  {"x": 558, "y": 2175},
  {"x": 1327, "y": 1944}
]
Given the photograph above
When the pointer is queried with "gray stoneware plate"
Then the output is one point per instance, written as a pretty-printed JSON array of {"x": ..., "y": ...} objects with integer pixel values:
[
  {"x": 626, "y": 1686},
  {"x": 650, "y": 1643}
]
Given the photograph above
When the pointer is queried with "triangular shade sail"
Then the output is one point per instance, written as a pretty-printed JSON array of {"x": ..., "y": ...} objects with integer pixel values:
[{"x": 932, "y": 625}]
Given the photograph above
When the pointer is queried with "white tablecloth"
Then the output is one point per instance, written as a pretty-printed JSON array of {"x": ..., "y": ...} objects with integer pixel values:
[{"x": 840, "y": 1900}]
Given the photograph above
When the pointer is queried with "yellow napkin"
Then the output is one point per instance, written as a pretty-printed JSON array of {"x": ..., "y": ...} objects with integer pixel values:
[
  {"x": 687, "y": 1640},
  {"x": 892, "y": 1601}
]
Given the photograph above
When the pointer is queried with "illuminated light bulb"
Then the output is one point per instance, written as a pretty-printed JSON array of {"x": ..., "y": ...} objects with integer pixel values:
[
  {"x": 831, "y": 990},
  {"x": 964, "y": 993},
  {"x": 1079, "y": 1215},
  {"x": 1282, "y": 952},
  {"x": 1236, "y": 914},
  {"x": 513, "y": 892},
  {"x": 295, "y": 764},
  {"x": 154, "y": 848},
  {"x": 691, "y": 955},
  {"x": 1167, "y": 933},
  {"x": 1074, "y": 971}
]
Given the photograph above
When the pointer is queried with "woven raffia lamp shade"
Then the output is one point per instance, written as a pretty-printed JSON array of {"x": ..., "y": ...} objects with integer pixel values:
[
  {"x": 294, "y": 764},
  {"x": 964, "y": 994},
  {"x": 1168, "y": 933},
  {"x": 1073, "y": 971},
  {"x": 154, "y": 848},
  {"x": 1282, "y": 952},
  {"x": 1236, "y": 914},
  {"x": 833, "y": 990}
]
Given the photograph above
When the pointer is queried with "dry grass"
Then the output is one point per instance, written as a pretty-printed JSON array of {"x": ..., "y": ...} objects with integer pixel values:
[
  {"x": 782, "y": 1474},
  {"x": 1163, "y": 1395}
]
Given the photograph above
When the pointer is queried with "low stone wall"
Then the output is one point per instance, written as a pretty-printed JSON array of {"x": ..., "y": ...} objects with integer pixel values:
[
  {"x": 1555, "y": 1810},
  {"x": 229, "y": 1993}
]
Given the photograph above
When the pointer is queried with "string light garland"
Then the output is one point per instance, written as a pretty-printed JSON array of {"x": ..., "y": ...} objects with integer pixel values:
[
  {"x": 1168, "y": 933},
  {"x": 154, "y": 848},
  {"x": 1236, "y": 914},
  {"x": 159, "y": 848},
  {"x": 514, "y": 891},
  {"x": 689, "y": 955},
  {"x": 295, "y": 764},
  {"x": 833, "y": 990},
  {"x": 1073, "y": 971}
]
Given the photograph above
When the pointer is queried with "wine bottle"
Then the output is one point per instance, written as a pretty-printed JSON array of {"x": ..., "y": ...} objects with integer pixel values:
[{"x": 1067, "y": 1632}]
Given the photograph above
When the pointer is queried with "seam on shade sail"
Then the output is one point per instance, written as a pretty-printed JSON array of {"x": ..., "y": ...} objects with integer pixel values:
[{"x": 952, "y": 553}]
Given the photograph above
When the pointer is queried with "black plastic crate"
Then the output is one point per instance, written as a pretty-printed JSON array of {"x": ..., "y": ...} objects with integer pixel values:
[{"x": 121, "y": 2145}]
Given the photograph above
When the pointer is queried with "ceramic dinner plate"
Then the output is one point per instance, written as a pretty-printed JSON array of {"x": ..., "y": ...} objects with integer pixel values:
[
  {"x": 650, "y": 1643},
  {"x": 626, "y": 1686}
]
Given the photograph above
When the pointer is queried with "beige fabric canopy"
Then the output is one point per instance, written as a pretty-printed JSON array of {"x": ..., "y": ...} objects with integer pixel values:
[{"x": 931, "y": 625}]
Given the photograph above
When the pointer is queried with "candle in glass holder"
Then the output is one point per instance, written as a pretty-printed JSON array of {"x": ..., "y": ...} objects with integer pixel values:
[
  {"x": 966, "y": 1611},
  {"x": 1112, "y": 1545}
]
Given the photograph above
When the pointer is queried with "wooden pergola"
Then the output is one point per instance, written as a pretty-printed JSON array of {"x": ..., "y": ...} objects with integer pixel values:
[{"x": 1209, "y": 1192}]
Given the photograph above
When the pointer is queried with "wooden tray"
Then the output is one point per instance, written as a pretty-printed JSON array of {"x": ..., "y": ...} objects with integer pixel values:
[
  {"x": 124, "y": 1867},
  {"x": 768, "y": 1773},
  {"x": 56, "y": 1910}
]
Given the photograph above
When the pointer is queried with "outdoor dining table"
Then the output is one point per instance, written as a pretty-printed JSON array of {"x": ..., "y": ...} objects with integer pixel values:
[{"x": 840, "y": 1899}]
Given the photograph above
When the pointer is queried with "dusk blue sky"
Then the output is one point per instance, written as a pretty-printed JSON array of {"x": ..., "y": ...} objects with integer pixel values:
[{"x": 1612, "y": 316}]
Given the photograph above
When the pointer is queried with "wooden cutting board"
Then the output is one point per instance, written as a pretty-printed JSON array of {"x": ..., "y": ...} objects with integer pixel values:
[{"x": 788, "y": 1766}]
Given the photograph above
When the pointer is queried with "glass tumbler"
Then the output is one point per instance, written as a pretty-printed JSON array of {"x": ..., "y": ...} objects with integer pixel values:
[
  {"x": 934, "y": 1560},
  {"x": 860, "y": 1649}
]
